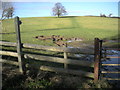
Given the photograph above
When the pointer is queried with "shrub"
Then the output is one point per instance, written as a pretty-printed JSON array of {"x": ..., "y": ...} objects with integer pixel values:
[{"x": 39, "y": 84}]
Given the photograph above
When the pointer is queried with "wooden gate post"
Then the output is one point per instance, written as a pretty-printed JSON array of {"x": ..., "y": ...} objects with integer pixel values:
[
  {"x": 96, "y": 60},
  {"x": 65, "y": 57},
  {"x": 19, "y": 45}
]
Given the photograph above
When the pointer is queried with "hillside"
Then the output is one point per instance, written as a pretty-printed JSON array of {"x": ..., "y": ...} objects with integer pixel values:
[{"x": 86, "y": 28}]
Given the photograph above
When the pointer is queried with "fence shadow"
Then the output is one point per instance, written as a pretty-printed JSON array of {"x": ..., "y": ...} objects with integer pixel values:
[
  {"x": 52, "y": 29},
  {"x": 55, "y": 29}
]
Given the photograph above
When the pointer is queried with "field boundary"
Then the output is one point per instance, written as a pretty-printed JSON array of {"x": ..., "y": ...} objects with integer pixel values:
[{"x": 65, "y": 60}]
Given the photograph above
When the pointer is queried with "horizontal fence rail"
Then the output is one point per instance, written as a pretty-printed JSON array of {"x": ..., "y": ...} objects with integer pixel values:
[
  {"x": 61, "y": 70},
  {"x": 51, "y": 48},
  {"x": 110, "y": 72},
  {"x": 110, "y": 64},
  {"x": 14, "y": 54},
  {"x": 59, "y": 49},
  {"x": 112, "y": 78},
  {"x": 60, "y": 60},
  {"x": 112, "y": 57},
  {"x": 8, "y": 43},
  {"x": 9, "y": 62}
]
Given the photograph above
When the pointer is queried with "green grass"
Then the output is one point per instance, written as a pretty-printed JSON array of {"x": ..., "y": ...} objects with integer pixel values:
[{"x": 86, "y": 28}]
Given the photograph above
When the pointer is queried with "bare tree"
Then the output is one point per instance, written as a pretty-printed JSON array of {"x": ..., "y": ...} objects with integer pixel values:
[
  {"x": 7, "y": 10},
  {"x": 59, "y": 10},
  {"x": 110, "y": 15}
]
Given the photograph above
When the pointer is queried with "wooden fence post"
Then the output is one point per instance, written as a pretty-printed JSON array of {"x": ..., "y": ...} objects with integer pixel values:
[
  {"x": 19, "y": 45},
  {"x": 65, "y": 57},
  {"x": 96, "y": 60}
]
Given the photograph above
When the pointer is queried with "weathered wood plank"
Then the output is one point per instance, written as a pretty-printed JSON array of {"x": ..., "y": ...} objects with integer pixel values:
[
  {"x": 59, "y": 49},
  {"x": 67, "y": 71},
  {"x": 8, "y": 43},
  {"x": 112, "y": 57},
  {"x": 112, "y": 78},
  {"x": 9, "y": 53},
  {"x": 8, "y": 62},
  {"x": 110, "y": 72},
  {"x": 60, "y": 60},
  {"x": 51, "y": 48},
  {"x": 110, "y": 64},
  {"x": 65, "y": 57},
  {"x": 19, "y": 44},
  {"x": 96, "y": 60}
]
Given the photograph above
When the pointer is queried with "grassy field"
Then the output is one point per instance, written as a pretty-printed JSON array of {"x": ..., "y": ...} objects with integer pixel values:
[{"x": 86, "y": 28}]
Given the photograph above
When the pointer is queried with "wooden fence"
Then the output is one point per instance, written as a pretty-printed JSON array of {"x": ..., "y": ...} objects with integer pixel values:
[
  {"x": 20, "y": 55},
  {"x": 64, "y": 60}
]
